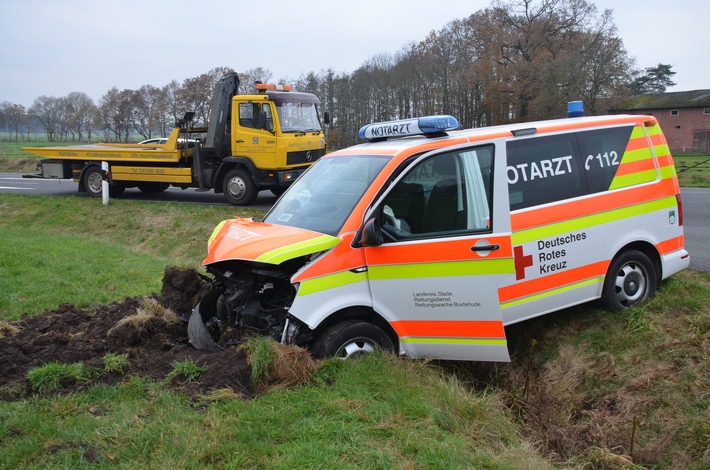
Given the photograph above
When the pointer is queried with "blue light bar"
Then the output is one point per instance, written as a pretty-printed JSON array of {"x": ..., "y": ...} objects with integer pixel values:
[{"x": 405, "y": 127}]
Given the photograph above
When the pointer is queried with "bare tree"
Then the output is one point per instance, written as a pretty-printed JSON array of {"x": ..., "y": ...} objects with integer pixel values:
[
  {"x": 14, "y": 117},
  {"x": 147, "y": 110},
  {"x": 196, "y": 93},
  {"x": 77, "y": 114},
  {"x": 248, "y": 77},
  {"x": 47, "y": 110},
  {"x": 169, "y": 107},
  {"x": 116, "y": 114}
]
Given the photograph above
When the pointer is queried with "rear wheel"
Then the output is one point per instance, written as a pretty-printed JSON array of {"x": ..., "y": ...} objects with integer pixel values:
[
  {"x": 93, "y": 183},
  {"x": 631, "y": 279},
  {"x": 350, "y": 339},
  {"x": 238, "y": 187}
]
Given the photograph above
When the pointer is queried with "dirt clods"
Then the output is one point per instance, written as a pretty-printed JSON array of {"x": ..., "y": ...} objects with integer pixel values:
[{"x": 149, "y": 331}]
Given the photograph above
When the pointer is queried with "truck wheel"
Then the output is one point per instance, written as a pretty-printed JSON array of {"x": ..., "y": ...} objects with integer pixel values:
[
  {"x": 93, "y": 181},
  {"x": 278, "y": 190},
  {"x": 631, "y": 279},
  {"x": 93, "y": 184},
  {"x": 238, "y": 187},
  {"x": 351, "y": 338}
]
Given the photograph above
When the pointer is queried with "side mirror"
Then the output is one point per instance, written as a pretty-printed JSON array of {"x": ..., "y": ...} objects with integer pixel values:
[
  {"x": 371, "y": 234},
  {"x": 326, "y": 117},
  {"x": 261, "y": 120}
]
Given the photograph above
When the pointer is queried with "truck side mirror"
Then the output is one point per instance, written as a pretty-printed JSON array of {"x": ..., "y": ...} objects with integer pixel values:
[
  {"x": 261, "y": 120},
  {"x": 326, "y": 117}
]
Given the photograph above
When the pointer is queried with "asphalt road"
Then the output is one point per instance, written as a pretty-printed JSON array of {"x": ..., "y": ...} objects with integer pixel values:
[
  {"x": 696, "y": 206},
  {"x": 15, "y": 183}
]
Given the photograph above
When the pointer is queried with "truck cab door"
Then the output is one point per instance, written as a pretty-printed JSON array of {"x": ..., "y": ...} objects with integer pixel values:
[
  {"x": 445, "y": 248},
  {"x": 252, "y": 134}
]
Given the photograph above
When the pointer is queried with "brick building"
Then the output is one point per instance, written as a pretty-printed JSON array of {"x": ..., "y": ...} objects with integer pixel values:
[{"x": 684, "y": 117}]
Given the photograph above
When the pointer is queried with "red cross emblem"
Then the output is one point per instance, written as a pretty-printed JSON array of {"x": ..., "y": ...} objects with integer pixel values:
[{"x": 522, "y": 261}]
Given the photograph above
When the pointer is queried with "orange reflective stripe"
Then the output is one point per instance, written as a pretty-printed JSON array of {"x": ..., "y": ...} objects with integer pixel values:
[
  {"x": 542, "y": 284},
  {"x": 665, "y": 160},
  {"x": 449, "y": 329},
  {"x": 637, "y": 143},
  {"x": 671, "y": 245},
  {"x": 432, "y": 251},
  {"x": 635, "y": 167},
  {"x": 596, "y": 203}
]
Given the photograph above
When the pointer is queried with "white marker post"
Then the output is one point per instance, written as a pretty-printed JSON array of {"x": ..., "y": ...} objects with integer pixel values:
[{"x": 104, "y": 183}]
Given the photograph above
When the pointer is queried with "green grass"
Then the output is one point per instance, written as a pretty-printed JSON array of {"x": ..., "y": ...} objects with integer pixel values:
[
  {"x": 693, "y": 170},
  {"x": 380, "y": 412},
  {"x": 50, "y": 377},
  {"x": 580, "y": 380},
  {"x": 79, "y": 251}
]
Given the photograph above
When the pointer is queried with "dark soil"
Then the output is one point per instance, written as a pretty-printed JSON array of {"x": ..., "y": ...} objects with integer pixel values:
[{"x": 69, "y": 335}]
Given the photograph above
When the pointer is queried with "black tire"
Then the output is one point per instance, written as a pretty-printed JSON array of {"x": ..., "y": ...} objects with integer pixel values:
[
  {"x": 93, "y": 183},
  {"x": 278, "y": 190},
  {"x": 238, "y": 187},
  {"x": 631, "y": 279},
  {"x": 152, "y": 188},
  {"x": 351, "y": 338}
]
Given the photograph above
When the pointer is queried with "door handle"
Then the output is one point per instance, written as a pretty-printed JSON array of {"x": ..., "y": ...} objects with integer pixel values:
[
  {"x": 485, "y": 247},
  {"x": 240, "y": 141}
]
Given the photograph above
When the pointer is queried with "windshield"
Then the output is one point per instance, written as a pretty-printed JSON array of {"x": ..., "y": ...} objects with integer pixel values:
[
  {"x": 298, "y": 117},
  {"x": 324, "y": 196}
]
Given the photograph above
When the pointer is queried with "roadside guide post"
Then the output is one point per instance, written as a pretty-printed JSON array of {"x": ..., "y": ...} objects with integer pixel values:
[{"x": 104, "y": 183}]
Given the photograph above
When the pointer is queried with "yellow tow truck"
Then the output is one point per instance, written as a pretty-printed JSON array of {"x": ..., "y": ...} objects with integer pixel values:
[{"x": 252, "y": 142}]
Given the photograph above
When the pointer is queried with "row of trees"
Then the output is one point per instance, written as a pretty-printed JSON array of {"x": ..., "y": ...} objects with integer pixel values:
[{"x": 514, "y": 61}]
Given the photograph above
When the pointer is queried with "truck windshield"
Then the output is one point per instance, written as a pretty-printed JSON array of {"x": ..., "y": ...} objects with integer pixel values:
[
  {"x": 324, "y": 196},
  {"x": 298, "y": 117}
]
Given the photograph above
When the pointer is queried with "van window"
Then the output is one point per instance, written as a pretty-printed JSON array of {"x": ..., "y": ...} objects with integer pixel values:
[
  {"x": 543, "y": 169},
  {"x": 446, "y": 194},
  {"x": 324, "y": 196},
  {"x": 602, "y": 151}
]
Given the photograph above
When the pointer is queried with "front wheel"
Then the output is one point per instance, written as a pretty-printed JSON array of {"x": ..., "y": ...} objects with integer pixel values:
[
  {"x": 238, "y": 187},
  {"x": 350, "y": 339},
  {"x": 631, "y": 279},
  {"x": 278, "y": 190}
]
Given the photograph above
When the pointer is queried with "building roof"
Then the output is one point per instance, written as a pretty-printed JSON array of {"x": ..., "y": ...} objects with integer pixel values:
[{"x": 677, "y": 99}]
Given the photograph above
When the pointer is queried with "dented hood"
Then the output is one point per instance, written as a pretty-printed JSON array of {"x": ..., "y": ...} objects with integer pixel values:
[{"x": 245, "y": 239}]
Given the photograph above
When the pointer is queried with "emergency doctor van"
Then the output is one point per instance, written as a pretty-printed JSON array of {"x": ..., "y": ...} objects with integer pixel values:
[{"x": 428, "y": 241}]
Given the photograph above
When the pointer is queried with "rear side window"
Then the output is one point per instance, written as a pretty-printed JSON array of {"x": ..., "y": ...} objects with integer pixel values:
[
  {"x": 552, "y": 168},
  {"x": 602, "y": 151},
  {"x": 544, "y": 169}
]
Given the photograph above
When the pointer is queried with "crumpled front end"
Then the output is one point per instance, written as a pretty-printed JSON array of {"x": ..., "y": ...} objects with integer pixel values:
[{"x": 252, "y": 264}]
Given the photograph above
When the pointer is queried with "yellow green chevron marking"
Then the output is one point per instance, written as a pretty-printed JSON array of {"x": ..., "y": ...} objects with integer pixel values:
[{"x": 306, "y": 247}]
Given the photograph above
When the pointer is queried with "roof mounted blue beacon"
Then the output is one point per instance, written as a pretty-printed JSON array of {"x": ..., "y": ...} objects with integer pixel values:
[
  {"x": 575, "y": 109},
  {"x": 429, "y": 125}
]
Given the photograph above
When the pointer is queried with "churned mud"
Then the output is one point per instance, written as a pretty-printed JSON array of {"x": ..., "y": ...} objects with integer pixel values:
[{"x": 148, "y": 330}]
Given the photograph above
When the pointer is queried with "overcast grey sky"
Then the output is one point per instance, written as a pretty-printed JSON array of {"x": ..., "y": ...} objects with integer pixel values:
[{"x": 50, "y": 47}]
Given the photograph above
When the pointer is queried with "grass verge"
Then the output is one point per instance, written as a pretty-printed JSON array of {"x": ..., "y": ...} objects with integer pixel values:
[{"x": 586, "y": 389}]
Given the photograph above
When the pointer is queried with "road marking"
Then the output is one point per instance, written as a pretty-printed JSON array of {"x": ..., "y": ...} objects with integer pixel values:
[{"x": 12, "y": 187}]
